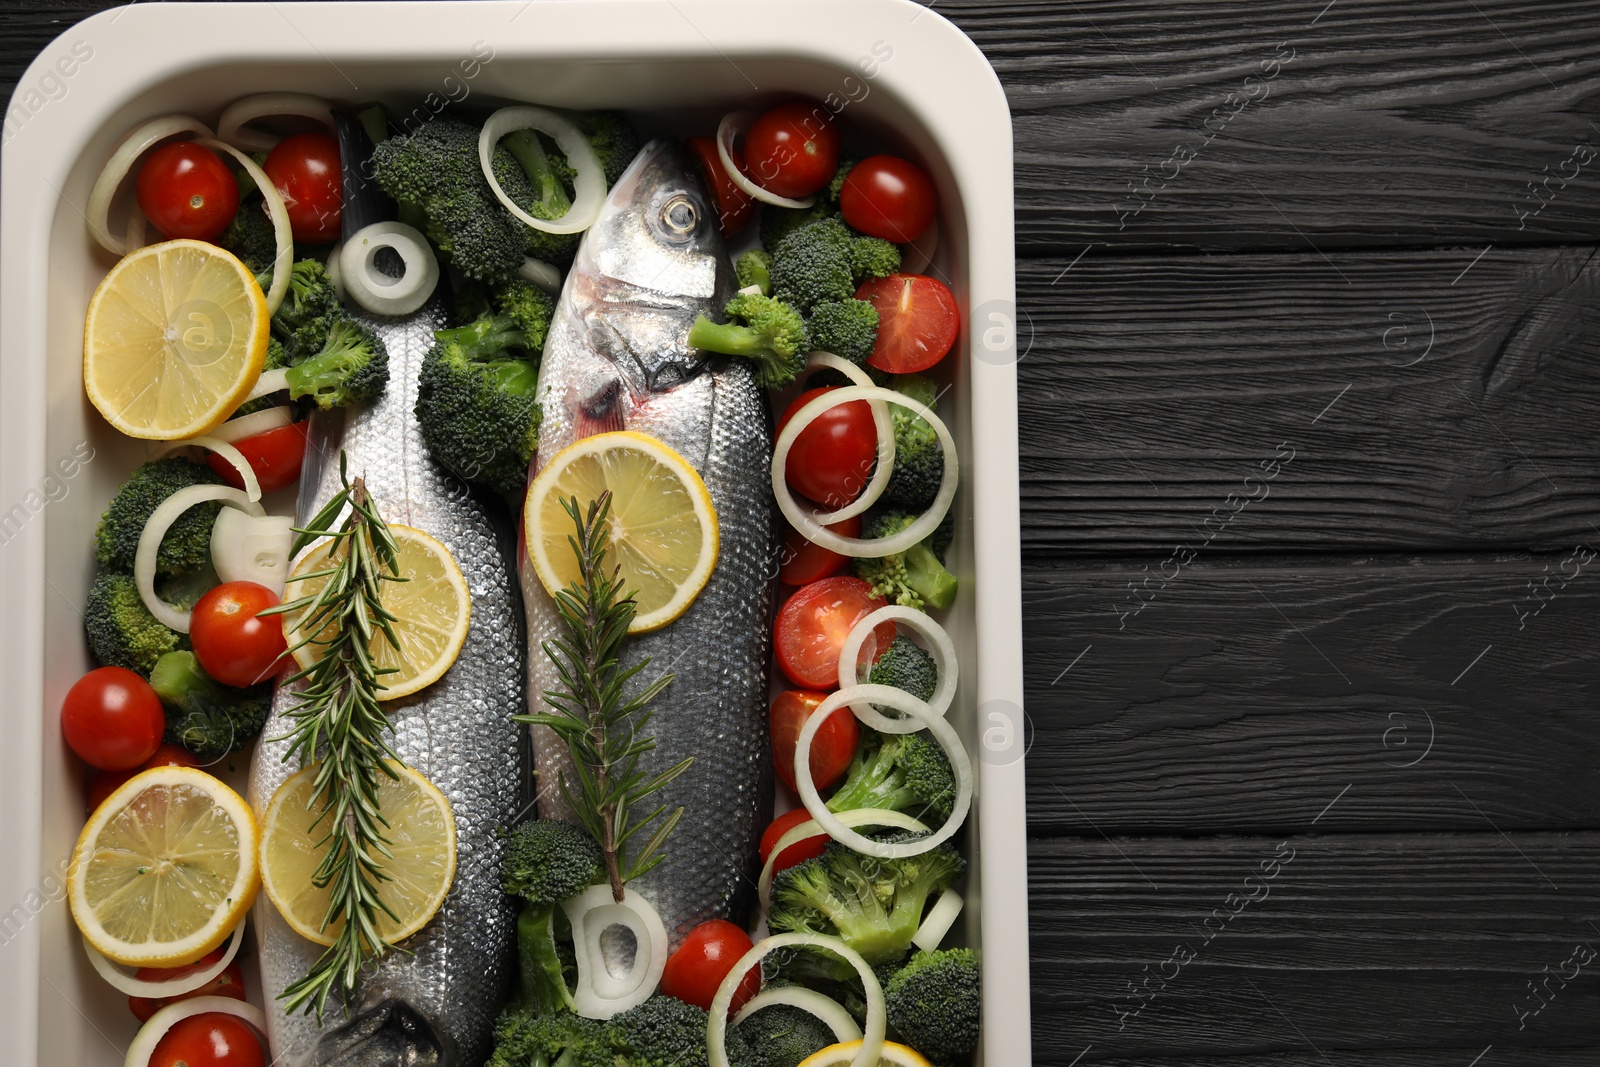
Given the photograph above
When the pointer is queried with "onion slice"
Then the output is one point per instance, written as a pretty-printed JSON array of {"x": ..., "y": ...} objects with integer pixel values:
[
  {"x": 547, "y": 276},
  {"x": 832, "y": 1014},
  {"x": 733, "y": 124},
  {"x": 855, "y": 817},
  {"x": 252, "y": 548},
  {"x": 271, "y": 381},
  {"x": 376, "y": 291},
  {"x": 335, "y": 275},
  {"x": 235, "y": 458},
  {"x": 119, "y": 979},
  {"x": 717, "y": 1022},
  {"x": 884, "y": 469},
  {"x": 939, "y": 919},
  {"x": 256, "y": 422},
  {"x": 938, "y": 643},
  {"x": 155, "y": 528},
  {"x": 151, "y": 1033},
  {"x": 862, "y": 548},
  {"x": 589, "y": 186},
  {"x": 942, "y": 731},
  {"x": 231, "y": 125},
  {"x": 141, "y": 140},
  {"x": 916, "y": 255},
  {"x": 600, "y": 994},
  {"x": 276, "y": 210}
]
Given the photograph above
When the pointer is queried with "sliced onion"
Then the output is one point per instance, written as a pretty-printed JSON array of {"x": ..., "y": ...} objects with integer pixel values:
[
  {"x": 271, "y": 381},
  {"x": 155, "y": 528},
  {"x": 717, "y": 1023},
  {"x": 830, "y": 1011},
  {"x": 119, "y": 979},
  {"x": 235, "y": 458},
  {"x": 375, "y": 290},
  {"x": 883, "y": 470},
  {"x": 916, "y": 255},
  {"x": 942, "y": 731},
  {"x": 733, "y": 124},
  {"x": 151, "y": 1033},
  {"x": 600, "y": 994},
  {"x": 121, "y": 162},
  {"x": 939, "y": 645},
  {"x": 281, "y": 233},
  {"x": 807, "y": 522},
  {"x": 136, "y": 225},
  {"x": 547, "y": 276},
  {"x": 939, "y": 919},
  {"x": 589, "y": 186},
  {"x": 252, "y": 548},
  {"x": 255, "y": 422},
  {"x": 231, "y": 126},
  {"x": 335, "y": 274},
  {"x": 855, "y": 817}
]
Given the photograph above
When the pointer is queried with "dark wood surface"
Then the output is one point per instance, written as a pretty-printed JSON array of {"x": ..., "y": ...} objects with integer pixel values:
[{"x": 1381, "y": 657}]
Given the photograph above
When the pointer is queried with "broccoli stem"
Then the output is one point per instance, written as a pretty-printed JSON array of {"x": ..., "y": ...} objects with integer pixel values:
[
  {"x": 530, "y": 155},
  {"x": 928, "y": 577},
  {"x": 730, "y": 339},
  {"x": 868, "y": 784},
  {"x": 483, "y": 339},
  {"x": 544, "y": 987},
  {"x": 178, "y": 680}
]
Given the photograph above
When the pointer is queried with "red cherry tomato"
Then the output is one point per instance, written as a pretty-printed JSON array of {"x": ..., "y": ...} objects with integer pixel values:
[
  {"x": 803, "y": 562},
  {"x": 734, "y": 206},
  {"x": 104, "y": 783},
  {"x": 213, "y": 1039},
  {"x": 112, "y": 719},
  {"x": 917, "y": 322},
  {"x": 802, "y": 850},
  {"x": 885, "y": 196},
  {"x": 305, "y": 169},
  {"x": 230, "y": 983},
  {"x": 831, "y": 460},
  {"x": 231, "y": 643},
  {"x": 813, "y": 624},
  {"x": 275, "y": 455},
  {"x": 703, "y": 960},
  {"x": 831, "y": 749},
  {"x": 185, "y": 190},
  {"x": 793, "y": 149}
]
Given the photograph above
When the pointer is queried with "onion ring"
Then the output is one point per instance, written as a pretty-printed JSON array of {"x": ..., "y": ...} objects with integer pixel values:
[
  {"x": 939, "y": 919},
  {"x": 944, "y": 659},
  {"x": 237, "y": 429},
  {"x": 732, "y": 125},
  {"x": 335, "y": 275},
  {"x": 119, "y": 979},
  {"x": 895, "y": 820},
  {"x": 537, "y": 272},
  {"x": 141, "y": 140},
  {"x": 376, "y": 291},
  {"x": 884, "y": 469},
  {"x": 279, "y": 214},
  {"x": 225, "y": 449},
  {"x": 916, "y": 255},
  {"x": 717, "y": 1020},
  {"x": 151, "y": 1033},
  {"x": 155, "y": 528},
  {"x": 231, "y": 124},
  {"x": 271, "y": 381},
  {"x": 830, "y": 1012},
  {"x": 589, "y": 186},
  {"x": 599, "y": 994}
]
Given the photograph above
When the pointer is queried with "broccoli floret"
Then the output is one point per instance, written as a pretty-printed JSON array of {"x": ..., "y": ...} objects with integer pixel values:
[
  {"x": 611, "y": 136},
  {"x": 906, "y": 665},
  {"x": 661, "y": 1032},
  {"x": 781, "y": 1035},
  {"x": 546, "y": 862},
  {"x": 121, "y": 630},
  {"x": 761, "y": 328},
  {"x": 836, "y": 185},
  {"x": 847, "y": 328},
  {"x": 902, "y": 772},
  {"x": 915, "y": 577},
  {"x": 918, "y": 457},
  {"x": 933, "y": 1003},
  {"x": 549, "y": 198},
  {"x": 779, "y": 222},
  {"x": 250, "y": 237},
  {"x": 812, "y": 265},
  {"x": 755, "y": 268},
  {"x": 187, "y": 545},
  {"x": 873, "y": 257},
  {"x": 309, "y": 308},
  {"x": 352, "y": 367},
  {"x": 205, "y": 717},
  {"x": 565, "y": 1040}
]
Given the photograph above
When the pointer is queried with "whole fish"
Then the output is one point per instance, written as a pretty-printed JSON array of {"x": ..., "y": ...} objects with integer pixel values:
[
  {"x": 436, "y": 1002},
  {"x": 616, "y": 359}
]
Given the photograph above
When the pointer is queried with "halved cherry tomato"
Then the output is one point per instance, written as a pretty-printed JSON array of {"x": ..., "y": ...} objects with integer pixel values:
[
  {"x": 803, "y": 562},
  {"x": 185, "y": 190},
  {"x": 831, "y": 749},
  {"x": 704, "y": 959},
  {"x": 213, "y": 1039},
  {"x": 230, "y": 983},
  {"x": 917, "y": 322},
  {"x": 275, "y": 455},
  {"x": 888, "y": 197},
  {"x": 793, "y": 149},
  {"x": 813, "y": 624},
  {"x": 104, "y": 783},
  {"x": 734, "y": 205},
  {"x": 233, "y": 645},
  {"x": 832, "y": 459},
  {"x": 112, "y": 719},
  {"x": 305, "y": 169},
  {"x": 800, "y": 851}
]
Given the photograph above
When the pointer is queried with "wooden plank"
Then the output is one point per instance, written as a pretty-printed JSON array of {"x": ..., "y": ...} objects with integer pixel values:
[
  {"x": 1427, "y": 401},
  {"x": 1244, "y": 697},
  {"x": 1144, "y": 124},
  {"x": 1294, "y": 950}
]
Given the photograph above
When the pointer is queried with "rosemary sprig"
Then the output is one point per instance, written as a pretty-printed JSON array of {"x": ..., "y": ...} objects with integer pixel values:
[
  {"x": 603, "y": 730},
  {"x": 339, "y": 722}
]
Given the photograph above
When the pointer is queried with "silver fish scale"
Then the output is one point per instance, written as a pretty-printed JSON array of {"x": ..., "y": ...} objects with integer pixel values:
[{"x": 458, "y": 732}]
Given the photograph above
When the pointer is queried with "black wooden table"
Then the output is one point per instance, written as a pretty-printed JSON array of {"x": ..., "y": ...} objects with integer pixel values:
[{"x": 1310, "y": 495}]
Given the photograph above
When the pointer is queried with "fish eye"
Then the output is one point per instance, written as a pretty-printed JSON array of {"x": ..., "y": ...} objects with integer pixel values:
[{"x": 679, "y": 216}]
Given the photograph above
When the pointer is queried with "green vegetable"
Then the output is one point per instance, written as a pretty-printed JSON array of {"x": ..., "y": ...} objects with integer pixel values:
[
  {"x": 873, "y": 257},
  {"x": 277, "y": 359},
  {"x": 351, "y": 367},
  {"x": 902, "y": 772},
  {"x": 915, "y": 578},
  {"x": 847, "y": 328},
  {"x": 761, "y": 328},
  {"x": 121, "y": 630},
  {"x": 781, "y": 1035},
  {"x": 610, "y": 135},
  {"x": 779, "y": 222},
  {"x": 836, "y": 185},
  {"x": 250, "y": 237},
  {"x": 187, "y": 544},
  {"x": 918, "y": 456},
  {"x": 549, "y": 197},
  {"x": 755, "y": 268},
  {"x": 564, "y": 1040},
  {"x": 933, "y": 1003},
  {"x": 205, "y": 717},
  {"x": 310, "y": 307},
  {"x": 812, "y": 265},
  {"x": 661, "y": 1032},
  {"x": 546, "y": 862},
  {"x": 906, "y": 665}
]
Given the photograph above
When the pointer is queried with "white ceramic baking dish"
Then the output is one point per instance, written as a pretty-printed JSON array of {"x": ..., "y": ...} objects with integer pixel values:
[{"x": 900, "y": 72}]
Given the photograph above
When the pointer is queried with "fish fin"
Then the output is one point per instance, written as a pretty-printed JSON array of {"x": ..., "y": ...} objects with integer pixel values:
[
  {"x": 388, "y": 1033},
  {"x": 600, "y": 413}
]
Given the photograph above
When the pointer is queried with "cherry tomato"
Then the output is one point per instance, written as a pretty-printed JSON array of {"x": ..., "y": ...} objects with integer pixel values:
[
  {"x": 793, "y": 149},
  {"x": 734, "y": 206},
  {"x": 813, "y": 624},
  {"x": 185, "y": 190},
  {"x": 230, "y": 983},
  {"x": 305, "y": 169},
  {"x": 703, "y": 960},
  {"x": 214, "y": 1039},
  {"x": 112, "y": 719},
  {"x": 831, "y": 749},
  {"x": 231, "y": 643},
  {"x": 831, "y": 460},
  {"x": 885, "y": 196},
  {"x": 803, "y": 562},
  {"x": 917, "y": 322},
  {"x": 104, "y": 783},
  {"x": 802, "y": 850},
  {"x": 275, "y": 455}
]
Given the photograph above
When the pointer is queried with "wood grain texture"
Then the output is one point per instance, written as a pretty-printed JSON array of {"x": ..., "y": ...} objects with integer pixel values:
[{"x": 1427, "y": 405}]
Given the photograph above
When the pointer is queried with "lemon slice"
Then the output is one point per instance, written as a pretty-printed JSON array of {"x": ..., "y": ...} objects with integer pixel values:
[
  {"x": 174, "y": 340},
  {"x": 840, "y": 1055},
  {"x": 165, "y": 868},
  {"x": 663, "y": 525},
  {"x": 422, "y": 838},
  {"x": 432, "y": 609}
]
